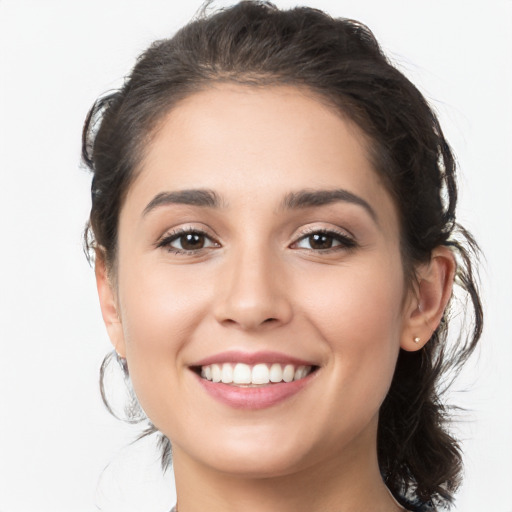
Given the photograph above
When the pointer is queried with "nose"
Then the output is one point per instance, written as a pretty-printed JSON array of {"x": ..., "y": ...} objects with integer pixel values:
[{"x": 252, "y": 293}]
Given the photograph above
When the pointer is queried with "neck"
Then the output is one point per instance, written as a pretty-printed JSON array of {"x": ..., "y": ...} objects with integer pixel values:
[{"x": 347, "y": 482}]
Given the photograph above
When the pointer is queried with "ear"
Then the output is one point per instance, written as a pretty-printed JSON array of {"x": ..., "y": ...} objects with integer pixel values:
[
  {"x": 108, "y": 305},
  {"x": 429, "y": 299}
]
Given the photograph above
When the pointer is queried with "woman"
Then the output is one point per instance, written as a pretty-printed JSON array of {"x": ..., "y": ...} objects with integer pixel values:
[{"x": 273, "y": 224}]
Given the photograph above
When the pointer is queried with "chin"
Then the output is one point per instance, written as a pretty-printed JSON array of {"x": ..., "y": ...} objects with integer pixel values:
[
  {"x": 256, "y": 464},
  {"x": 256, "y": 452}
]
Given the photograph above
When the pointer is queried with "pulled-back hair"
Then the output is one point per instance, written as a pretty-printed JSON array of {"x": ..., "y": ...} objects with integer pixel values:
[{"x": 340, "y": 61}]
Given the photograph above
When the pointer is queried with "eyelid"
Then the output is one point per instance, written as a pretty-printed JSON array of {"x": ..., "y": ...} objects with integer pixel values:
[
  {"x": 175, "y": 233},
  {"x": 311, "y": 229},
  {"x": 346, "y": 239}
]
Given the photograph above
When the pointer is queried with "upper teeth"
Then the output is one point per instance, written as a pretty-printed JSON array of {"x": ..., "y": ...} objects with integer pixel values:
[{"x": 241, "y": 373}]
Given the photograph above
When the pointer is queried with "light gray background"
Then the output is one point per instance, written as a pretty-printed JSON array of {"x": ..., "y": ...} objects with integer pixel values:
[{"x": 56, "y": 57}]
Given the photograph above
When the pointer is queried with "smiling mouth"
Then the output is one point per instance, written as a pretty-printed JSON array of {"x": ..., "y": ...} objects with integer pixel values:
[{"x": 261, "y": 374}]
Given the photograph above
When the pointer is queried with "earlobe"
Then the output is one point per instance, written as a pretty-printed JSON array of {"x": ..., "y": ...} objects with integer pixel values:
[
  {"x": 426, "y": 308},
  {"x": 108, "y": 305}
]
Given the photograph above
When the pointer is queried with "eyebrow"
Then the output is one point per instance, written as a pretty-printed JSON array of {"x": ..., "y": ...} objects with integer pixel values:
[
  {"x": 310, "y": 198},
  {"x": 196, "y": 197},
  {"x": 292, "y": 201}
]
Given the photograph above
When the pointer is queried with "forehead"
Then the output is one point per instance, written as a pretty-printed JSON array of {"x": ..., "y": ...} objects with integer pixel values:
[{"x": 256, "y": 142}]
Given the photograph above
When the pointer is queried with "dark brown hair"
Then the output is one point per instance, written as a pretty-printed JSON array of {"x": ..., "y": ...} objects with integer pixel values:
[{"x": 340, "y": 61}]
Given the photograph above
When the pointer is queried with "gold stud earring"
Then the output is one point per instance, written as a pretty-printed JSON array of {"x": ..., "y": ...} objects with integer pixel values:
[{"x": 417, "y": 340}]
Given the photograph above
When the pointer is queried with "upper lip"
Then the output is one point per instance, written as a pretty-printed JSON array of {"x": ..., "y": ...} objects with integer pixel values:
[{"x": 251, "y": 358}]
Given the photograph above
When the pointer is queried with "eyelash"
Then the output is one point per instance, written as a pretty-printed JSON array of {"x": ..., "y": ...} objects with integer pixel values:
[
  {"x": 345, "y": 242},
  {"x": 179, "y": 233}
]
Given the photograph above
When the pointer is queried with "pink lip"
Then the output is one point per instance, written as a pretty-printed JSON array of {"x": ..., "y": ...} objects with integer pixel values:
[
  {"x": 253, "y": 397},
  {"x": 240, "y": 397},
  {"x": 234, "y": 356}
]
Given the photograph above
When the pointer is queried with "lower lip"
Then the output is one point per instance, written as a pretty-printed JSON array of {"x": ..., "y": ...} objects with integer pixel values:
[{"x": 253, "y": 397}]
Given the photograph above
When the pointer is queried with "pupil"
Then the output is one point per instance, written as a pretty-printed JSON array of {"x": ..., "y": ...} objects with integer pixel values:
[
  {"x": 192, "y": 241},
  {"x": 320, "y": 241}
]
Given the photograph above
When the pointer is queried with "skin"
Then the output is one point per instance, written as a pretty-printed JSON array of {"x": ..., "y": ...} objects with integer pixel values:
[{"x": 260, "y": 284}]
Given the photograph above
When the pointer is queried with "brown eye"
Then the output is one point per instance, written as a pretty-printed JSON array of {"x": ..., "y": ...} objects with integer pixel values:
[
  {"x": 187, "y": 241},
  {"x": 192, "y": 241},
  {"x": 323, "y": 241},
  {"x": 320, "y": 241}
]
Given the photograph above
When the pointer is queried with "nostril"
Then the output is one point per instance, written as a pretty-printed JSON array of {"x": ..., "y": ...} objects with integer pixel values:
[{"x": 268, "y": 320}]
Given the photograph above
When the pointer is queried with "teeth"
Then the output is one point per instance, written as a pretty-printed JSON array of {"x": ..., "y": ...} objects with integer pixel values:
[
  {"x": 288, "y": 373},
  {"x": 227, "y": 373},
  {"x": 259, "y": 374},
  {"x": 300, "y": 373},
  {"x": 217, "y": 373},
  {"x": 276, "y": 373},
  {"x": 207, "y": 372},
  {"x": 242, "y": 374}
]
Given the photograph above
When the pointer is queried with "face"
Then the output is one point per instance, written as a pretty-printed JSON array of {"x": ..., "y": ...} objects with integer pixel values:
[{"x": 259, "y": 283}]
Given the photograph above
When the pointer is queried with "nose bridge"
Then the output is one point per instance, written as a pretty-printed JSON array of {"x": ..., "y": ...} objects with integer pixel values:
[{"x": 252, "y": 292}]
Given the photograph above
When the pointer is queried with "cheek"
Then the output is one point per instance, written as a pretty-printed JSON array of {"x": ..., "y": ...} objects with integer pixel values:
[
  {"x": 159, "y": 304},
  {"x": 161, "y": 311},
  {"x": 356, "y": 301},
  {"x": 358, "y": 314}
]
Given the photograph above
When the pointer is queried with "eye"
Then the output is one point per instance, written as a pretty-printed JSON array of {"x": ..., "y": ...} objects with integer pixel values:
[
  {"x": 187, "y": 241},
  {"x": 323, "y": 240}
]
